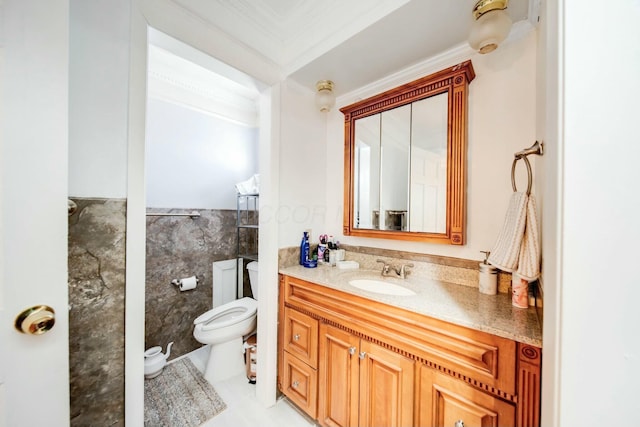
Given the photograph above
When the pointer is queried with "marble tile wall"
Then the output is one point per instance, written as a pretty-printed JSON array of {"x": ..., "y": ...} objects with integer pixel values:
[
  {"x": 179, "y": 247},
  {"x": 96, "y": 318}
]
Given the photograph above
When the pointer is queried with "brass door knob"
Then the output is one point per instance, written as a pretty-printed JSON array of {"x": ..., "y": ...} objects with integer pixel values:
[{"x": 35, "y": 320}]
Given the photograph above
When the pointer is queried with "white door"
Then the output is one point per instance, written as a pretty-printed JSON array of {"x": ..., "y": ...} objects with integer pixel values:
[
  {"x": 428, "y": 192},
  {"x": 34, "y": 369}
]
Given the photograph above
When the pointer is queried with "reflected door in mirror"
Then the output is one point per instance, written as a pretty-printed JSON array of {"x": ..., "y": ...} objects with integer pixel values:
[{"x": 428, "y": 177}]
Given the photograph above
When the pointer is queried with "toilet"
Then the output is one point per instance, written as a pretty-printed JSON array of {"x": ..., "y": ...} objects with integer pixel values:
[{"x": 224, "y": 328}]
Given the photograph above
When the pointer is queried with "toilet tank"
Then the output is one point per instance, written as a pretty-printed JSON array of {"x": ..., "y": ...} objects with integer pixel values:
[{"x": 253, "y": 278}]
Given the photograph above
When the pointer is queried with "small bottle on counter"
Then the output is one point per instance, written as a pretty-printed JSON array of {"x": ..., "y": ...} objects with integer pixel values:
[{"x": 488, "y": 283}]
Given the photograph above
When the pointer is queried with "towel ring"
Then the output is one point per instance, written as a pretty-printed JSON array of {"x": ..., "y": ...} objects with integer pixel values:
[{"x": 513, "y": 174}]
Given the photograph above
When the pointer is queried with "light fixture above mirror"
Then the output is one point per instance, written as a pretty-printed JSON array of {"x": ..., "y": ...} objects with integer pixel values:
[
  {"x": 325, "y": 99},
  {"x": 491, "y": 25}
]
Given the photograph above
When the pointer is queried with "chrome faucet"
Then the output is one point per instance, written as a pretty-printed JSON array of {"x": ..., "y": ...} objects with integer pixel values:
[{"x": 400, "y": 271}]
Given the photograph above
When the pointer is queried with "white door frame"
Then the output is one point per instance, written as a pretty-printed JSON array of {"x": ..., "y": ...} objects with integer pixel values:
[{"x": 169, "y": 18}]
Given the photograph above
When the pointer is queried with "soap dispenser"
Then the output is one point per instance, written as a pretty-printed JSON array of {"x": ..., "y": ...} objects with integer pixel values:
[{"x": 488, "y": 283}]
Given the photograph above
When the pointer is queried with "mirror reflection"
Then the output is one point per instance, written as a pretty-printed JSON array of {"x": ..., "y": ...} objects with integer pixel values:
[{"x": 401, "y": 168}]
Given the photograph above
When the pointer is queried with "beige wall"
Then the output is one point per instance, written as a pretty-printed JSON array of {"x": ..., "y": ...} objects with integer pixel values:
[{"x": 502, "y": 120}]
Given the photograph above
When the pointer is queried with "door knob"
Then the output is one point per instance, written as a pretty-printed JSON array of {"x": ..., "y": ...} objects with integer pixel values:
[{"x": 35, "y": 320}]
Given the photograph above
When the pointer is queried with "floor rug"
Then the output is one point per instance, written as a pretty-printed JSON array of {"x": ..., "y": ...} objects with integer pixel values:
[{"x": 180, "y": 397}]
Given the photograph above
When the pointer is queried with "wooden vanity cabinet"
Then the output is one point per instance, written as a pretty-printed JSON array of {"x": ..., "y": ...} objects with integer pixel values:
[
  {"x": 361, "y": 383},
  {"x": 350, "y": 361}
]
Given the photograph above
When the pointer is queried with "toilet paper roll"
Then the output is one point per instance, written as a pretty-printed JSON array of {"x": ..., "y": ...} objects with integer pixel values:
[{"x": 188, "y": 283}]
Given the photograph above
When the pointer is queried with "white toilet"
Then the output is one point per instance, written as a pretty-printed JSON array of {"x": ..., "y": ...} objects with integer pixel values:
[{"x": 224, "y": 328}]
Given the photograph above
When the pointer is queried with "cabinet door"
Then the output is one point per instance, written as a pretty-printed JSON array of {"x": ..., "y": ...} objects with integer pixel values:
[
  {"x": 301, "y": 336},
  {"x": 444, "y": 401},
  {"x": 386, "y": 387},
  {"x": 338, "y": 371}
]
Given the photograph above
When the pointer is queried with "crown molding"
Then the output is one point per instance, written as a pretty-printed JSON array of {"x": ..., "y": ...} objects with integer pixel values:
[
  {"x": 448, "y": 58},
  {"x": 174, "y": 79},
  {"x": 189, "y": 27}
]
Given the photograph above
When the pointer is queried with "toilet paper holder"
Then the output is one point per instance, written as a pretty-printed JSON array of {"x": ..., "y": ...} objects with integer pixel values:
[{"x": 179, "y": 282}]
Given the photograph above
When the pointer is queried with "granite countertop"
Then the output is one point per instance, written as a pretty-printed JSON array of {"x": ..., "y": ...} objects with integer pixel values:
[{"x": 462, "y": 305}]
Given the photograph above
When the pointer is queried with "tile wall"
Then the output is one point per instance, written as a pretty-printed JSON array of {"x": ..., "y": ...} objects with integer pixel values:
[{"x": 96, "y": 311}]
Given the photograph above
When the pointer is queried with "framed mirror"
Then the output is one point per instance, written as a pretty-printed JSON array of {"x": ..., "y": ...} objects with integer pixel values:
[{"x": 405, "y": 160}]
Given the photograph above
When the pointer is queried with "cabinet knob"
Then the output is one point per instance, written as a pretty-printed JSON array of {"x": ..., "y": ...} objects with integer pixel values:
[
  {"x": 296, "y": 337},
  {"x": 459, "y": 423},
  {"x": 362, "y": 355},
  {"x": 297, "y": 383},
  {"x": 352, "y": 350}
]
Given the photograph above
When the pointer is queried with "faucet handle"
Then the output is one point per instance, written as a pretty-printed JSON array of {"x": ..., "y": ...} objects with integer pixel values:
[
  {"x": 404, "y": 269},
  {"x": 385, "y": 266}
]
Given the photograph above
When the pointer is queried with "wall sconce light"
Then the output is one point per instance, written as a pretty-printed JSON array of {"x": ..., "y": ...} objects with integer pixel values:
[
  {"x": 491, "y": 25},
  {"x": 324, "y": 95}
]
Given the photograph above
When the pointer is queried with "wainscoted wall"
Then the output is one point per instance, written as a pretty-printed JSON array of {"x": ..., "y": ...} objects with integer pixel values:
[
  {"x": 96, "y": 317},
  {"x": 178, "y": 247}
]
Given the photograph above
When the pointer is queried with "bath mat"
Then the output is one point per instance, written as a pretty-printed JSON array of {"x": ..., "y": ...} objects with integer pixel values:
[{"x": 180, "y": 397}]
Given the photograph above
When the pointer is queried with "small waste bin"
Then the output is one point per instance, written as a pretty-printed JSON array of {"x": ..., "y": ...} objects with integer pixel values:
[{"x": 250, "y": 355}]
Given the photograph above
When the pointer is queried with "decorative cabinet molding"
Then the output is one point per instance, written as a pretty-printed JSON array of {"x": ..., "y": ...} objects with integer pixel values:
[
  {"x": 529, "y": 361},
  {"x": 363, "y": 354}
]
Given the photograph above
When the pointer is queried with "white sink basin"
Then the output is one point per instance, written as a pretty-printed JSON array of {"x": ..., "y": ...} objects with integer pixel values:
[{"x": 381, "y": 287}]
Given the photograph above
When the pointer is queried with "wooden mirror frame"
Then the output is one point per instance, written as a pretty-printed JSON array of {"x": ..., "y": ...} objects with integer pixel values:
[{"x": 454, "y": 81}]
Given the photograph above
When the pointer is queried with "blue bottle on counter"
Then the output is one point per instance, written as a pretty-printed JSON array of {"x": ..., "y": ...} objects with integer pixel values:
[{"x": 304, "y": 248}]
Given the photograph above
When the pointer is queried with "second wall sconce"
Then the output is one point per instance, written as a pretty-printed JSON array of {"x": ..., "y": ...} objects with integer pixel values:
[
  {"x": 325, "y": 99},
  {"x": 491, "y": 25}
]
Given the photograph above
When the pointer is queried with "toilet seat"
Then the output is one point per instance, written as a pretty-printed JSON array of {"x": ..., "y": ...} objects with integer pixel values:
[{"x": 227, "y": 314}]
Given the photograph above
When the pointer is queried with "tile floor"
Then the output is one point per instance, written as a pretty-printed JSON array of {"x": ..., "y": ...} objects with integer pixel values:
[{"x": 243, "y": 409}]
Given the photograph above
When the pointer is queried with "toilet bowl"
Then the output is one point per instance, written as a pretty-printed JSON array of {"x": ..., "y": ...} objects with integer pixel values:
[
  {"x": 224, "y": 327},
  {"x": 233, "y": 319}
]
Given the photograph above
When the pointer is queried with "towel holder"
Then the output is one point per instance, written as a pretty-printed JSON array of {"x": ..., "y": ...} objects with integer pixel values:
[
  {"x": 529, "y": 174},
  {"x": 536, "y": 148}
]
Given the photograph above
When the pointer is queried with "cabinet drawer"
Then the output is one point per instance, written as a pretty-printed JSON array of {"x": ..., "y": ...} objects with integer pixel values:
[
  {"x": 300, "y": 384},
  {"x": 301, "y": 336},
  {"x": 444, "y": 401}
]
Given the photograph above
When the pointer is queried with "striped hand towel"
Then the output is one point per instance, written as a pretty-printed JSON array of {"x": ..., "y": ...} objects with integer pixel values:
[
  {"x": 529, "y": 259},
  {"x": 504, "y": 254}
]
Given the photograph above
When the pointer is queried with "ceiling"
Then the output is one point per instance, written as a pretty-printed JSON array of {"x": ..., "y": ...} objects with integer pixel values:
[{"x": 311, "y": 40}]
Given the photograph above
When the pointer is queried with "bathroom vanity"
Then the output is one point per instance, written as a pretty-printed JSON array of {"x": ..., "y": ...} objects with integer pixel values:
[{"x": 443, "y": 356}]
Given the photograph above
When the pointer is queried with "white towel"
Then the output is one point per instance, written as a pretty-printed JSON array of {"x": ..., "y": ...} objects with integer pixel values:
[
  {"x": 249, "y": 186},
  {"x": 506, "y": 250},
  {"x": 529, "y": 259}
]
